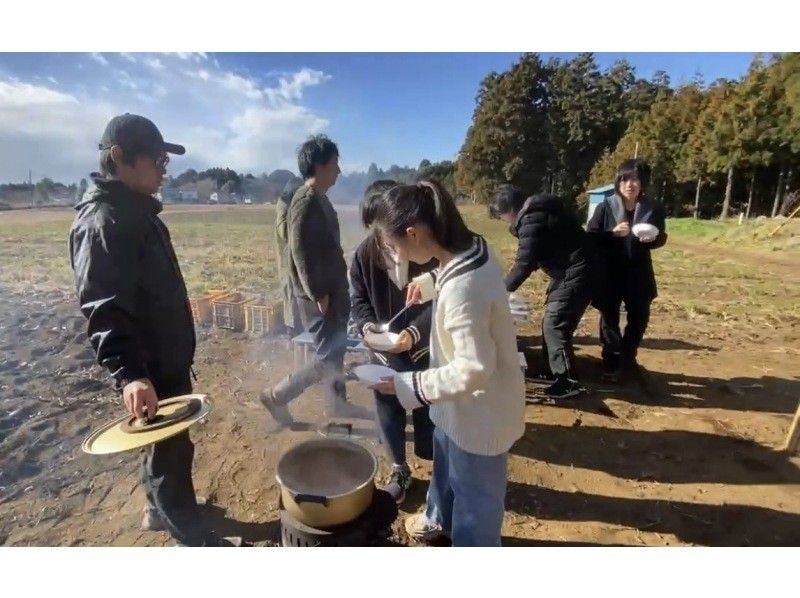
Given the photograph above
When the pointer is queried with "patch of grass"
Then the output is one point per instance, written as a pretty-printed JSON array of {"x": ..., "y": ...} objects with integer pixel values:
[
  {"x": 751, "y": 234},
  {"x": 233, "y": 248}
]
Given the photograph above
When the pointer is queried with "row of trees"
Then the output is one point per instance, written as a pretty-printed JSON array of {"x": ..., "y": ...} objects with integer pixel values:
[
  {"x": 45, "y": 192},
  {"x": 349, "y": 188},
  {"x": 263, "y": 188},
  {"x": 564, "y": 126}
]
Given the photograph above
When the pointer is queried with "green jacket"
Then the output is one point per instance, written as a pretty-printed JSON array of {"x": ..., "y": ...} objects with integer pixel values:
[{"x": 316, "y": 260}]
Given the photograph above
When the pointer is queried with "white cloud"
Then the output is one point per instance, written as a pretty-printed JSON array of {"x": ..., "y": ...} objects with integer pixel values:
[
  {"x": 154, "y": 63},
  {"x": 99, "y": 58},
  {"x": 241, "y": 85},
  {"x": 291, "y": 88},
  {"x": 52, "y": 80},
  {"x": 51, "y": 132},
  {"x": 128, "y": 56},
  {"x": 195, "y": 56},
  {"x": 223, "y": 118},
  {"x": 126, "y": 80}
]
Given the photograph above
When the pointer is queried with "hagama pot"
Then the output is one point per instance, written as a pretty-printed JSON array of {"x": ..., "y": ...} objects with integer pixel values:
[{"x": 326, "y": 482}]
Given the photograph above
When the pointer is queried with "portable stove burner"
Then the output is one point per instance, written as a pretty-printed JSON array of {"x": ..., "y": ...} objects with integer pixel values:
[{"x": 370, "y": 529}]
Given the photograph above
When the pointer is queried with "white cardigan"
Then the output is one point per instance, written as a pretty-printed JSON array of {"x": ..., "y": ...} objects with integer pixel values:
[{"x": 474, "y": 386}]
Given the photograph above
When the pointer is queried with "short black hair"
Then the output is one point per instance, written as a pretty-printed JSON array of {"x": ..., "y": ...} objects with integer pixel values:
[
  {"x": 316, "y": 151},
  {"x": 632, "y": 168},
  {"x": 506, "y": 198}
]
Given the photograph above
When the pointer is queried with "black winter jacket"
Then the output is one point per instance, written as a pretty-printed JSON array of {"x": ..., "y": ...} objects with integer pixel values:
[
  {"x": 623, "y": 264},
  {"x": 130, "y": 287},
  {"x": 550, "y": 238}
]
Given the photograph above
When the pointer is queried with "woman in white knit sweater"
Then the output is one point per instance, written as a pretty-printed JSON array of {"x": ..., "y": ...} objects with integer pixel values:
[{"x": 474, "y": 386}]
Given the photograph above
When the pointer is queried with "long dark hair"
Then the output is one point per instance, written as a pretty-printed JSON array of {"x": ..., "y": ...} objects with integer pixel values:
[
  {"x": 632, "y": 168},
  {"x": 375, "y": 253},
  {"x": 428, "y": 203}
]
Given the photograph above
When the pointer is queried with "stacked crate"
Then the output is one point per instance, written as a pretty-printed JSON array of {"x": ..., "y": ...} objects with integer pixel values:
[
  {"x": 263, "y": 319},
  {"x": 201, "y": 306},
  {"x": 228, "y": 310}
]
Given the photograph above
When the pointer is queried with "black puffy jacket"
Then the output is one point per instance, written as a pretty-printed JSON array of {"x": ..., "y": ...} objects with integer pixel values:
[
  {"x": 550, "y": 238},
  {"x": 130, "y": 287}
]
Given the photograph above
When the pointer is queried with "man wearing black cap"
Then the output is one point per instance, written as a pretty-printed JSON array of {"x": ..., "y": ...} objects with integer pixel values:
[{"x": 140, "y": 324}]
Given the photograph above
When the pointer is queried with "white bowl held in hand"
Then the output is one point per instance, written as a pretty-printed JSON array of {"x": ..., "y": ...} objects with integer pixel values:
[
  {"x": 373, "y": 373},
  {"x": 645, "y": 231},
  {"x": 381, "y": 341}
]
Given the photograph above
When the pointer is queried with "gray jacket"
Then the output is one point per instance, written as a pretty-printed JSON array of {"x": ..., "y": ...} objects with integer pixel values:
[{"x": 316, "y": 260}]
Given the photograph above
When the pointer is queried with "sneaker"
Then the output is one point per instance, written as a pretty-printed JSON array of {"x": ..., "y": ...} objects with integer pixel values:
[
  {"x": 420, "y": 529},
  {"x": 565, "y": 388},
  {"x": 399, "y": 483},
  {"x": 279, "y": 412},
  {"x": 545, "y": 377}
]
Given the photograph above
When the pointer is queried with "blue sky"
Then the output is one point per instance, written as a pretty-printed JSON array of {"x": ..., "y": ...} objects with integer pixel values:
[{"x": 250, "y": 111}]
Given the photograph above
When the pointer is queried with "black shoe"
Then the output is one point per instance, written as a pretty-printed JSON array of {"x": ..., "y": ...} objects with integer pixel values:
[
  {"x": 545, "y": 377},
  {"x": 399, "y": 483},
  {"x": 565, "y": 388}
]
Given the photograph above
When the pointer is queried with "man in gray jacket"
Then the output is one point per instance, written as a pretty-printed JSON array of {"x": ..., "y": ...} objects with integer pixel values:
[{"x": 318, "y": 280}]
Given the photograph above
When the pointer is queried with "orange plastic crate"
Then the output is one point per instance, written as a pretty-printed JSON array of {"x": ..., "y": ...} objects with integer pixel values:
[
  {"x": 228, "y": 311},
  {"x": 263, "y": 319},
  {"x": 201, "y": 306}
]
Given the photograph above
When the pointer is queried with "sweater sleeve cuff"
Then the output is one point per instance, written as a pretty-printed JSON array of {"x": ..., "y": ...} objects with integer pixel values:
[
  {"x": 415, "y": 335},
  {"x": 427, "y": 286},
  {"x": 409, "y": 390}
]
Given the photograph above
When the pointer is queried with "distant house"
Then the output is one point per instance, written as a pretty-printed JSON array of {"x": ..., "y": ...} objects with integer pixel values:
[
  {"x": 63, "y": 196},
  {"x": 224, "y": 197},
  {"x": 221, "y": 197},
  {"x": 169, "y": 195},
  {"x": 596, "y": 197},
  {"x": 188, "y": 193}
]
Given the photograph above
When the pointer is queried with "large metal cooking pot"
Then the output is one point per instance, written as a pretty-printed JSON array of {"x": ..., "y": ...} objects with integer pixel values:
[{"x": 326, "y": 482}]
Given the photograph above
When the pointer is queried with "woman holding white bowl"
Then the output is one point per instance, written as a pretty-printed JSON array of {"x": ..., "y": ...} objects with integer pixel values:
[{"x": 626, "y": 228}]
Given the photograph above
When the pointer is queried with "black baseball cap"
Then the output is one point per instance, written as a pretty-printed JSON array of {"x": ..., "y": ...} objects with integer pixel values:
[{"x": 134, "y": 133}]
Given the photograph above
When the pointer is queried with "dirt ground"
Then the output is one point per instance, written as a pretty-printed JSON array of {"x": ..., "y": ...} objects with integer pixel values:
[{"x": 686, "y": 456}]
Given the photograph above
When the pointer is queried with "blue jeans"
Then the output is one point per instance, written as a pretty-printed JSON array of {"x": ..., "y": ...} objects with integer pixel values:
[
  {"x": 466, "y": 496},
  {"x": 391, "y": 417}
]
